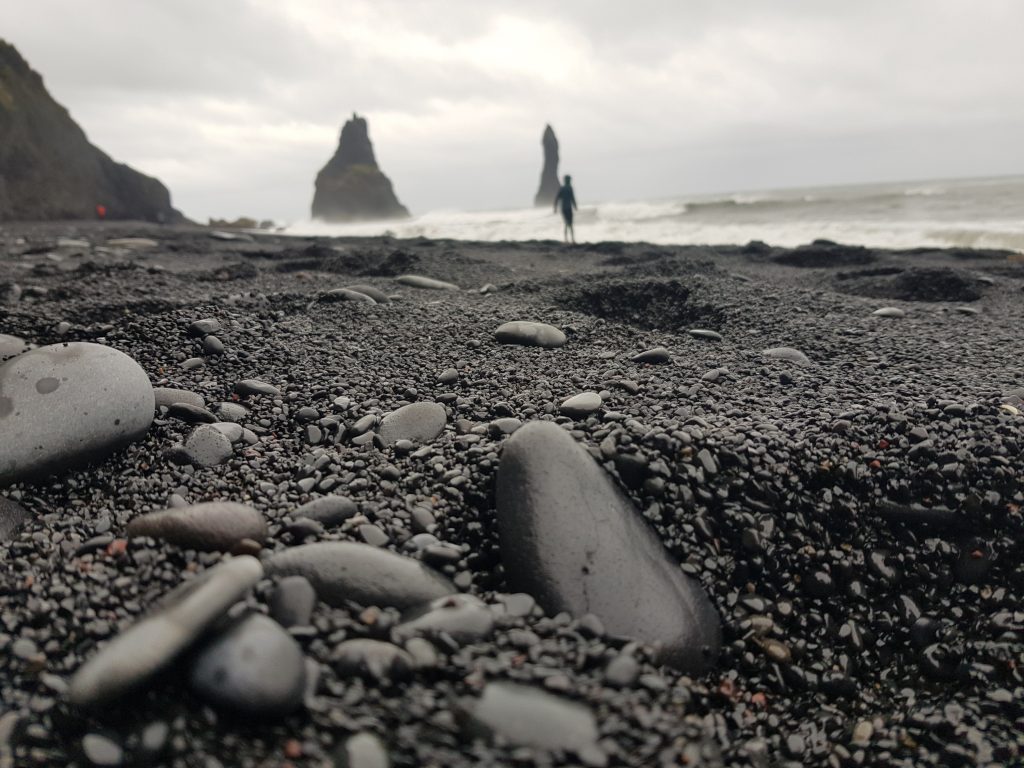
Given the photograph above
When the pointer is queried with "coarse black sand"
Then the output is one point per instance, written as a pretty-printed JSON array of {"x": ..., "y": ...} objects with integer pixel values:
[{"x": 856, "y": 521}]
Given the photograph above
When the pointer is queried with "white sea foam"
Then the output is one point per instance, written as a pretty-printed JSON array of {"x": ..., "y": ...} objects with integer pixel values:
[{"x": 985, "y": 213}]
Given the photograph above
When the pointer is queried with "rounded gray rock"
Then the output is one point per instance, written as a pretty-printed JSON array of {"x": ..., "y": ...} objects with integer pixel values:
[
  {"x": 167, "y": 396},
  {"x": 362, "y": 750},
  {"x": 419, "y": 422},
  {"x": 429, "y": 283},
  {"x": 463, "y": 618},
  {"x": 347, "y": 294},
  {"x": 530, "y": 334},
  {"x": 372, "y": 659},
  {"x": 580, "y": 405},
  {"x": 254, "y": 668},
  {"x": 151, "y": 643},
  {"x": 341, "y": 571},
  {"x": 528, "y": 717},
  {"x": 655, "y": 356},
  {"x": 889, "y": 312},
  {"x": 210, "y": 526},
  {"x": 328, "y": 510},
  {"x": 69, "y": 404},
  {"x": 788, "y": 354},
  {"x": 573, "y": 540},
  {"x": 207, "y": 446},
  {"x": 12, "y": 346}
]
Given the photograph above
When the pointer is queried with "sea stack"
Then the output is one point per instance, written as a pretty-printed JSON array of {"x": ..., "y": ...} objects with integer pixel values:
[
  {"x": 48, "y": 168},
  {"x": 351, "y": 187},
  {"x": 549, "y": 174}
]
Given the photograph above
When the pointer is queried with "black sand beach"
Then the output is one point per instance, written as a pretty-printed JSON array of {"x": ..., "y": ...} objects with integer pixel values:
[{"x": 854, "y": 518}]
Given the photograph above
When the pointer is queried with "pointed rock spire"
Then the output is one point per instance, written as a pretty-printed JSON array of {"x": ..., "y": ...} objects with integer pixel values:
[
  {"x": 549, "y": 174},
  {"x": 351, "y": 187}
]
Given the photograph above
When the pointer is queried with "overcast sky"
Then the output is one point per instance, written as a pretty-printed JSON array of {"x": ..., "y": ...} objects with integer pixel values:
[{"x": 236, "y": 104}]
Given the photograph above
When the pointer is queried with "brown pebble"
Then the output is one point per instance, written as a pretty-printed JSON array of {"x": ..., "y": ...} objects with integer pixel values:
[{"x": 246, "y": 547}]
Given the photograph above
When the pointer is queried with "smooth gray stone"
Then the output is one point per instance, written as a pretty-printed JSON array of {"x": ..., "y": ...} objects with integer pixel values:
[
  {"x": 419, "y": 422},
  {"x": 889, "y": 312},
  {"x": 328, "y": 510},
  {"x": 346, "y": 294},
  {"x": 228, "y": 411},
  {"x": 703, "y": 333},
  {"x": 166, "y": 397},
  {"x": 190, "y": 414},
  {"x": 212, "y": 346},
  {"x": 12, "y": 517},
  {"x": 573, "y": 540},
  {"x": 372, "y": 659},
  {"x": 229, "y": 429},
  {"x": 248, "y": 387},
  {"x": 204, "y": 327},
  {"x": 374, "y": 293},
  {"x": 207, "y": 446},
  {"x": 656, "y": 356},
  {"x": 292, "y": 601},
  {"x": 341, "y": 570},
  {"x": 579, "y": 405},
  {"x": 788, "y": 354},
  {"x": 967, "y": 310},
  {"x": 528, "y": 717},
  {"x": 463, "y": 618},
  {"x": 210, "y": 526},
  {"x": 150, "y": 644},
  {"x": 12, "y": 346},
  {"x": 530, "y": 334},
  {"x": 418, "y": 281},
  {"x": 254, "y": 668},
  {"x": 69, "y": 404},
  {"x": 363, "y": 750}
]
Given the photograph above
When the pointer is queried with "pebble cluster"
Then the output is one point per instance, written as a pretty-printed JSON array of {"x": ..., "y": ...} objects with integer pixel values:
[{"x": 367, "y": 503}]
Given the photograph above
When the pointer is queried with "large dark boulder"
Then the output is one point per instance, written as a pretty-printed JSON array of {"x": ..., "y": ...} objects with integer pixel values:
[
  {"x": 351, "y": 187},
  {"x": 48, "y": 168},
  {"x": 549, "y": 174}
]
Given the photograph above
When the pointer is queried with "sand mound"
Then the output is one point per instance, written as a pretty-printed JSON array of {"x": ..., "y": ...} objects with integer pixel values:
[
  {"x": 645, "y": 303},
  {"x": 915, "y": 284}
]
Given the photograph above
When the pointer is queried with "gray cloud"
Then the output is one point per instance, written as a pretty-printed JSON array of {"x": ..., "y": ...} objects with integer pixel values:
[{"x": 236, "y": 104}]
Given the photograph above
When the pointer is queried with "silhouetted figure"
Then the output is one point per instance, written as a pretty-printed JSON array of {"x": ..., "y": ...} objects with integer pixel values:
[{"x": 568, "y": 201}]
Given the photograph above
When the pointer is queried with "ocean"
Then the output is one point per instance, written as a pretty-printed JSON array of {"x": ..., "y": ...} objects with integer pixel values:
[{"x": 973, "y": 213}]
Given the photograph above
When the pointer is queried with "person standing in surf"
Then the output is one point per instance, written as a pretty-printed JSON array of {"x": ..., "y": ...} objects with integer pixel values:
[{"x": 566, "y": 197}]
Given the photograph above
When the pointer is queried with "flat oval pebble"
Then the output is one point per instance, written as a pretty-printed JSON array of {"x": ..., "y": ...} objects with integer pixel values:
[
  {"x": 249, "y": 387},
  {"x": 788, "y": 354},
  {"x": 328, "y": 510},
  {"x": 889, "y": 312},
  {"x": 210, "y": 526},
  {"x": 363, "y": 750},
  {"x": 419, "y": 422},
  {"x": 368, "y": 290},
  {"x": 347, "y": 294},
  {"x": 204, "y": 327},
  {"x": 463, "y": 618},
  {"x": 207, "y": 446},
  {"x": 254, "y": 668},
  {"x": 341, "y": 571},
  {"x": 655, "y": 356},
  {"x": 292, "y": 601},
  {"x": 528, "y": 717},
  {"x": 12, "y": 346},
  {"x": 418, "y": 281},
  {"x": 530, "y": 334},
  {"x": 573, "y": 540},
  {"x": 580, "y": 405},
  {"x": 151, "y": 643},
  {"x": 190, "y": 414},
  {"x": 706, "y": 335},
  {"x": 372, "y": 659},
  {"x": 69, "y": 404},
  {"x": 166, "y": 396}
]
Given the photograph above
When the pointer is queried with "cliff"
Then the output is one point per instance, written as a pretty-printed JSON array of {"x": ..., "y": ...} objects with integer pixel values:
[
  {"x": 351, "y": 187},
  {"x": 549, "y": 174},
  {"x": 48, "y": 168}
]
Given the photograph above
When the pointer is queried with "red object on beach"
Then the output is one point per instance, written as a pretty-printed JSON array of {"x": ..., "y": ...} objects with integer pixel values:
[{"x": 101, "y": 211}]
